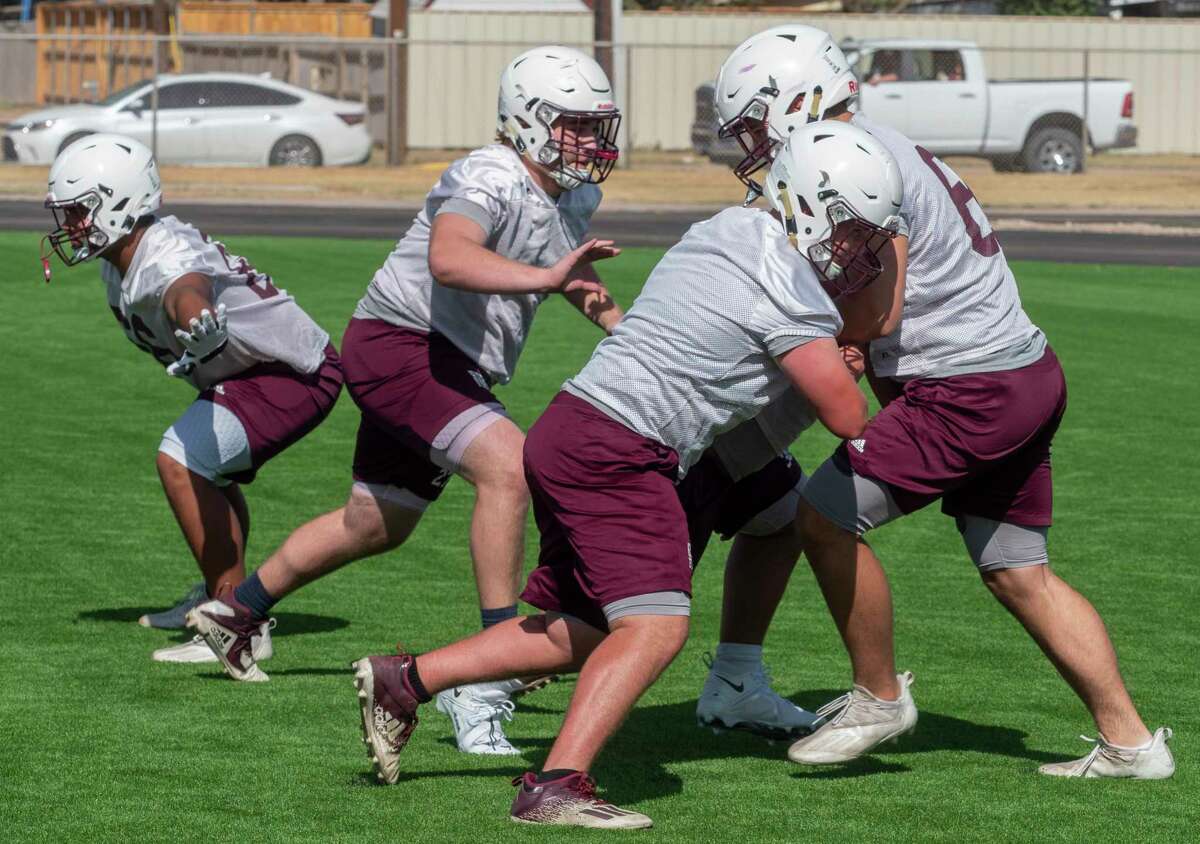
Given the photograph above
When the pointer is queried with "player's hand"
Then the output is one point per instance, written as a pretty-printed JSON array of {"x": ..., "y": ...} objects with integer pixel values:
[
  {"x": 205, "y": 341},
  {"x": 560, "y": 277},
  {"x": 854, "y": 356}
]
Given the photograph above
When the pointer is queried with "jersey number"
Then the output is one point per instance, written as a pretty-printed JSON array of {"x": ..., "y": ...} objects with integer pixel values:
[
  {"x": 961, "y": 196},
  {"x": 142, "y": 337},
  {"x": 259, "y": 283}
]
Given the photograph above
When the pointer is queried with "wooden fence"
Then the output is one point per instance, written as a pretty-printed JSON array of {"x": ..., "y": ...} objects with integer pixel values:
[
  {"x": 74, "y": 67},
  {"x": 79, "y": 65}
]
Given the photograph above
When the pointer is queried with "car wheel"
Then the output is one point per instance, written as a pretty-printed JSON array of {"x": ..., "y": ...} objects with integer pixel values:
[
  {"x": 295, "y": 151},
  {"x": 72, "y": 138},
  {"x": 1053, "y": 150}
]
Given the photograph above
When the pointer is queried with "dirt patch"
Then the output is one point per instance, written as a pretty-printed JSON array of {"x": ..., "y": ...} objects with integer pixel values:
[{"x": 1112, "y": 182}]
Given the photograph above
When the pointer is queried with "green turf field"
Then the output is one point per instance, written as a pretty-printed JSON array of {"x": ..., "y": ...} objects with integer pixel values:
[{"x": 99, "y": 743}]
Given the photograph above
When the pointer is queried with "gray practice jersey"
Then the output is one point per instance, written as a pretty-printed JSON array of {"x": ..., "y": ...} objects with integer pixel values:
[
  {"x": 264, "y": 323},
  {"x": 695, "y": 354},
  {"x": 492, "y": 187},
  {"x": 962, "y": 310}
]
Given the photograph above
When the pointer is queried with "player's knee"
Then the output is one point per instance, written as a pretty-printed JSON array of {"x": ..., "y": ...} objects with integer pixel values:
[
  {"x": 374, "y": 525},
  {"x": 662, "y": 633},
  {"x": 1019, "y": 587},
  {"x": 508, "y": 480}
]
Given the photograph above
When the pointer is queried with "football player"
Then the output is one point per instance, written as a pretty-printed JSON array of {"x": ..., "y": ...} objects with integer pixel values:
[
  {"x": 737, "y": 313},
  {"x": 737, "y": 693},
  {"x": 265, "y": 372},
  {"x": 972, "y": 396},
  {"x": 444, "y": 319}
]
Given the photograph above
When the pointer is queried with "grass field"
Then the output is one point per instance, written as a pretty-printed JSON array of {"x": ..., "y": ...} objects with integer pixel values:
[{"x": 99, "y": 743}]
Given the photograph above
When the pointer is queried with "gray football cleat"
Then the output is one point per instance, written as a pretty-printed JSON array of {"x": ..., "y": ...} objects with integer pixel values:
[{"x": 175, "y": 617}]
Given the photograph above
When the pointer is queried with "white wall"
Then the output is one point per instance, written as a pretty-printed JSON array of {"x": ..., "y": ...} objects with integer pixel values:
[{"x": 452, "y": 86}]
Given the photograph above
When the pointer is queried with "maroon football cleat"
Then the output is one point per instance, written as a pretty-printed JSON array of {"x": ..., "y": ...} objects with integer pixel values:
[
  {"x": 388, "y": 706},
  {"x": 237, "y": 639},
  {"x": 570, "y": 801}
]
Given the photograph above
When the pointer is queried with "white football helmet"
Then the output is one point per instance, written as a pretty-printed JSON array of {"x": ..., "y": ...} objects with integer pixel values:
[
  {"x": 102, "y": 185},
  {"x": 556, "y": 106},
  {"x": 838, "y": 191},
  {"x": 779, "y": 66}
]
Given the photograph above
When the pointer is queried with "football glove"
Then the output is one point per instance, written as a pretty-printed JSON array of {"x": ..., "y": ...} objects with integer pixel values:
[{"x": 205, "y": 341}]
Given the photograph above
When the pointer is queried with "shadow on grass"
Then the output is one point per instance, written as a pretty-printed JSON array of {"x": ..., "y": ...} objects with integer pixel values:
[
  {"x": 289, "y": 623},
  {"x": 632, "y": 766},
  {"x": 283, "y": 672}
]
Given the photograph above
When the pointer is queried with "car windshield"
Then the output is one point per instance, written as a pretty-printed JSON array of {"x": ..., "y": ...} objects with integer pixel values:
[{"x": 116, "y": 96}]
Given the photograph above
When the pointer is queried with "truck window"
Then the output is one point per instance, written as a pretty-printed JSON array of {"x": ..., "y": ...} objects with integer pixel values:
[
  {"x": 937, "y": 66},
  {"x": 884, "y": 67}
]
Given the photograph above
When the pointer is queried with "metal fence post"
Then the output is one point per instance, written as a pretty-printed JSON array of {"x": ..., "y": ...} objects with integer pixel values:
[
  {"x": 154, "y": 102},
  {"x": 1083, "y": 129}
]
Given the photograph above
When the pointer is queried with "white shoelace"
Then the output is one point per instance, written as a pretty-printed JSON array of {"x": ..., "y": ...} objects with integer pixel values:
[{"x": 1111, "y": 752}]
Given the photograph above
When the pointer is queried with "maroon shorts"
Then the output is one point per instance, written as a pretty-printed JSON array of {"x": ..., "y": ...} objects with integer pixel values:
[
  {"x": 610, "y": 520},
  {"x": 277, "y": 405},
  {"x": 715, "y": 503},
  {"x": 410, "y": 386},
  {"x": 980, "y": 442}
]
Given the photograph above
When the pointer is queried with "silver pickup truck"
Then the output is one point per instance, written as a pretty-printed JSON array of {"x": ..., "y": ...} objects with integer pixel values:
[{"x": 938, "y": 93}]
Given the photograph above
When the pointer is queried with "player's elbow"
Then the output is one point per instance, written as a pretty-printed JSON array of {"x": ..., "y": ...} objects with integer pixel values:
[
  {"x": 443, "y": 265},
  {"x": 848, "y": 419}
]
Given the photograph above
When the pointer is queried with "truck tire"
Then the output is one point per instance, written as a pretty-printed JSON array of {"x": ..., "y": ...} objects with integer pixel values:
[{"x": 1053, "y": 150}]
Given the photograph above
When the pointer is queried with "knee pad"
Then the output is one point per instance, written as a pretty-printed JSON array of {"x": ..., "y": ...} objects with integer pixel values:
[{"x": 997, "y": 545}]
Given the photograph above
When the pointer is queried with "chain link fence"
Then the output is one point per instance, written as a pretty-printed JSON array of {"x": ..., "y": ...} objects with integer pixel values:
[{"x": 309, "y": 101}]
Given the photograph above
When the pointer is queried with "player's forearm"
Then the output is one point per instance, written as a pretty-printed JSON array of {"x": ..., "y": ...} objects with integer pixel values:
[
  {"x": 186, "y": 299},
  {"x": 463, "y": 265},
  {"x": 596, "y": 305}
]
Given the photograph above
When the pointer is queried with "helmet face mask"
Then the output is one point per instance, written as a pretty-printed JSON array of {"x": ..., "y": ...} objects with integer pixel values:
[
  {"x": 76, "y": 228},
  {"x": 749, "y": 127},
  {"x": 582, "y": 147},
  {"x": 847, "y": 258}
]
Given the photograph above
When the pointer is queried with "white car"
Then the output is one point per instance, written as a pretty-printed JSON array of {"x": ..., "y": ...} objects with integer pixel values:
[{"x": 206, "y": 118}]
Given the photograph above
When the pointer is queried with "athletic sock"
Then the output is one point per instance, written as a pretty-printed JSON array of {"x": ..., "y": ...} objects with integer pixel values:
[
  {"x": 414, "y": 681},
  {"x": 252, "y": 595},
  {"x": 736, "y": 658},
  {"x": 497, "y": 615},
  {"x": 554, "y": 774}
]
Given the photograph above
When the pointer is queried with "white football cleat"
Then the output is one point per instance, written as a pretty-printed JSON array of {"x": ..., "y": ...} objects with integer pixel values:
[
  {"x": 237, "y": 640},
  {"x": 1151, "y": 762},
  {"x": 857, "y": 723},
  {"x": 197, "y": 650},
  {"x": 478, "y": 713},
  {"x": 747, "y": 702}
]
